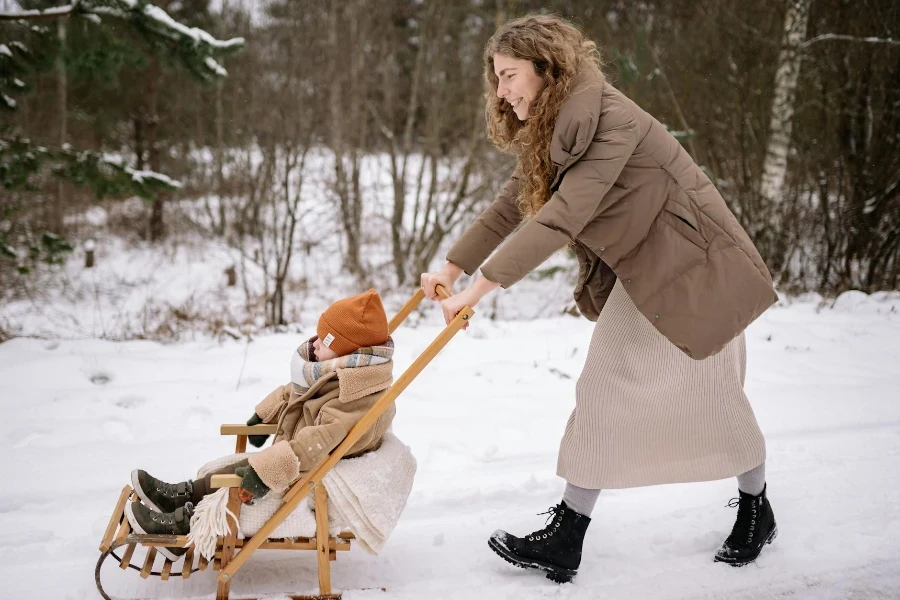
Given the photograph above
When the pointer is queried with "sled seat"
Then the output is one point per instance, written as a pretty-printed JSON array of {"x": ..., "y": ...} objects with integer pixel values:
[{"x": 231, "y": 551}]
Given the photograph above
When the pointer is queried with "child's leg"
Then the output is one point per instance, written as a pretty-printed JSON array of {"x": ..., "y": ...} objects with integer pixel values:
[{"x": 202, "y": 487}]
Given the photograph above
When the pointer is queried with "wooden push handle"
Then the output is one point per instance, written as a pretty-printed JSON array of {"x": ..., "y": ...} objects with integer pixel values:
[{"x": 411, "y": 305}]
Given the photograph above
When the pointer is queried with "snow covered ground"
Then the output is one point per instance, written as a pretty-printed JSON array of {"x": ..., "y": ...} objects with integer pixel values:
[{"x": 484, "y": 421}]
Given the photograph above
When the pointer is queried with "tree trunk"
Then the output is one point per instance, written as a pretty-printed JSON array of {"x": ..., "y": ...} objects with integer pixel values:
[
  {"x": 769, "y": 218},
  {"x": 157, "y": 227},
  {"x": 62, "y": 92},
  {"x": 220, "y": 160}
]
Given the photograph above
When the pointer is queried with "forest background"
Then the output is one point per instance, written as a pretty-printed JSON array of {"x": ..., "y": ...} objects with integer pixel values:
[{"x": 289, "y": 134}]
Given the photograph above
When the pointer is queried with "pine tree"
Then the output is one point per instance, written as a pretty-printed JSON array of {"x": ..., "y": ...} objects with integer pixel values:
[{"x": 141, "y": 32}]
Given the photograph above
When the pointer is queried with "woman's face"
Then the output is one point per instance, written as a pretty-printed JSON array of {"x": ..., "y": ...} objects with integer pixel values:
[
  {"x": 323, "y": 352},
  {"x": 518, "y": 83}
]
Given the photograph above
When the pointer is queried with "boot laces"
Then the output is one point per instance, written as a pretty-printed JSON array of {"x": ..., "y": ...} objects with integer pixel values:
[
  {"x": 550, "y": 525},
  {"x": 746, "y": 523}
]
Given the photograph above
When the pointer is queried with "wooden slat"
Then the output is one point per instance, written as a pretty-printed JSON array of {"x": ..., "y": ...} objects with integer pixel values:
[
  {"x": 166, "y": 570},
  {"x": 301, "y": 488},
  {"x": 181, "y": 541},
  {"x": 322, "y": 550},
  {"x": 118, "y": 515},
  {"x": 229, "y": 481},
  {"x": 188, "y": 563},
  {"x": 346, "y": 535},
  {"x": 300, "y": 544},
  {"x": 124, "y": 530},
  {"x": 126, "y": 558},
  {"x": 203, "y": 563},
  {"x": 240, "y": 444},
  {"x": 148, "y": 562},
  {"x": 238, "y": 429},
  {"x": 229, "y": 542}
]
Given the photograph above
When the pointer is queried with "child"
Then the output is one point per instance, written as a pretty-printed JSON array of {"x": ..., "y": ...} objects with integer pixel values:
[{"x": 336, "y": 377}]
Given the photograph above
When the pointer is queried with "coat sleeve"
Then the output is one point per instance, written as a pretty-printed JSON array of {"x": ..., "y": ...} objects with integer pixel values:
[
  {"x": 576, "y": 203},
  {"x": 490, "y": 229},
  {"x": 271, "y": 406},
  {"x": 282, "y": 463}
]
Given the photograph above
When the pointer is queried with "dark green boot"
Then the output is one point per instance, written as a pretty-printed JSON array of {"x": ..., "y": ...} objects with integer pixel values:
[
  {"x": 147, "y": 520},
  {"x": 157, "y": 494}
]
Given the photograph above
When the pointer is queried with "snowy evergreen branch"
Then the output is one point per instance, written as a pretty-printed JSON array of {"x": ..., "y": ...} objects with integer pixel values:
[
  {"x": 849, "y": 38},
  {"x": 196, "y": 48},
  {"x": 108, "y": 175}
]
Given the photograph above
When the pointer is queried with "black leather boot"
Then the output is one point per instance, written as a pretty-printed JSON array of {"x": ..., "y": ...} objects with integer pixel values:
[
  {"x": 555, "y": 549},
  {"x": 753, "y": 529}
]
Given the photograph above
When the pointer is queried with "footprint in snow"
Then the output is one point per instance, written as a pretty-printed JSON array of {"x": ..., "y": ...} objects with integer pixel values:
[
  {"x": 130, "y": 401},
  {"x": 52, "y": 345},
  {"x": 118, "y": 429},
  {"x": 100, "y": 378}
]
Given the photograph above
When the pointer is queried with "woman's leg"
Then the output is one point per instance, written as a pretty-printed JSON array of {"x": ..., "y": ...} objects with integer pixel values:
[
  {"x": 753, "y": 482},
  {"x": 579, "y": 499},
  {"x": 754, "y": 526}
]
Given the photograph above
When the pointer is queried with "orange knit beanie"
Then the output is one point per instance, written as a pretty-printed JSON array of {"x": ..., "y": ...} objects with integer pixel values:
[{"x": 353, "y": 323}]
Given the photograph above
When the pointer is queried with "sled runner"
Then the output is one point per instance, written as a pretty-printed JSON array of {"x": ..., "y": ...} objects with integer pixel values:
[{"x": 139, "y": 551}]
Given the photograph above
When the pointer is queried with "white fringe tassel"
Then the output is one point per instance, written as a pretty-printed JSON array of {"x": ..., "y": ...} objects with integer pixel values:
[{"x": 210, "y": 521}]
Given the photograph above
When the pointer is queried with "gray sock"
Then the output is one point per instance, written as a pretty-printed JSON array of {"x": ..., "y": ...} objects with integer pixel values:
[
  {"x": 581, "y": 500},
  {"x": 753, "y": 481}
]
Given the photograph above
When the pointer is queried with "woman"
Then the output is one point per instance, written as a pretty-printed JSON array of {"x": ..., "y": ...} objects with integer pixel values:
[{"x": 665, "y": 269}]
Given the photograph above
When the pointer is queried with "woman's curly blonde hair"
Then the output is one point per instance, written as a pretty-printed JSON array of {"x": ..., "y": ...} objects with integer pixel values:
[{"x": 558, "y": 51}]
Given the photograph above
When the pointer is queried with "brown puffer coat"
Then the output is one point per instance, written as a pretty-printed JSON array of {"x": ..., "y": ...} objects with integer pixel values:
[
  {"x": 312, "y": 425},
  {"x": 632, "y": 204}
]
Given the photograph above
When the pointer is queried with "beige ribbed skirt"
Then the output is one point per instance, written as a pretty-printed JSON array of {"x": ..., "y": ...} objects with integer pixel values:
[{"x": 646, "y": 413}]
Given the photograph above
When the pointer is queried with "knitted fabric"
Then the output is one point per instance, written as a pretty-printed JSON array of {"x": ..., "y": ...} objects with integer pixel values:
[
  {"x": 305, "y": 371},
  {"x": 353, "y": 323}
]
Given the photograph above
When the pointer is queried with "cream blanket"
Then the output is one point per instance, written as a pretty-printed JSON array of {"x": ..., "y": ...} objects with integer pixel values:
[{"x": 366, "y": 496}]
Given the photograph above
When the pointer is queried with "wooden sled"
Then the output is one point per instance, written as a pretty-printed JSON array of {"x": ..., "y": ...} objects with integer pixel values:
[{"x": 233, "y": 552}]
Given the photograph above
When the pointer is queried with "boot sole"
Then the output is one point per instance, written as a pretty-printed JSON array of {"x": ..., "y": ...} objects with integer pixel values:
[
  {"x": 746, "y": 561},
  {"x": 136, "y": 527},
  {"x": 553, "y": 573},
  {"x": 136, "y": 484}
]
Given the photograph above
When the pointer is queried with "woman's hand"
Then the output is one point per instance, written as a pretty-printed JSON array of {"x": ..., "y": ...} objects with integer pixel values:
[
  {"x": 470, "y": 296},
  {"x": 445, "y": 277}
]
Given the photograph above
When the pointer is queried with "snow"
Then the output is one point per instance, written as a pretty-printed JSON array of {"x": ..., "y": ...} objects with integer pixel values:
[
  {"x": 484, "y": 420},
  {"x": 215, "y": 67},
  {"x": 52, "y": 11},
  {"x": 195, "y": 33},
  {"x": 142, "y": 175}
]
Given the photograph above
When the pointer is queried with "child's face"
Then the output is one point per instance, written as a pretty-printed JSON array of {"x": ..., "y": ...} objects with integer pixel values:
[{"x": 323, "y": 352}]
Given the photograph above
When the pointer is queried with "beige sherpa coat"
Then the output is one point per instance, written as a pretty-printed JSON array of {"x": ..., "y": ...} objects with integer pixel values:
[{"x": 312, "y": 425}]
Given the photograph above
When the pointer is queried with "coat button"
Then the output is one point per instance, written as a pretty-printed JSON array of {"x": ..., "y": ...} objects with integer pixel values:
[
  {"x": 629, "y": 281},
  {"x": 279, "y": 432},
  {"x": 656, "y": 316},
  {"x": 602, "y": 249}
]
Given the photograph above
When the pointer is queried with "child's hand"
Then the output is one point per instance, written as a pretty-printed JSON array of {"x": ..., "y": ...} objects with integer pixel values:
[
  {"x": 252, "y": 487},
  {"x": 256, "y": 440}
]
